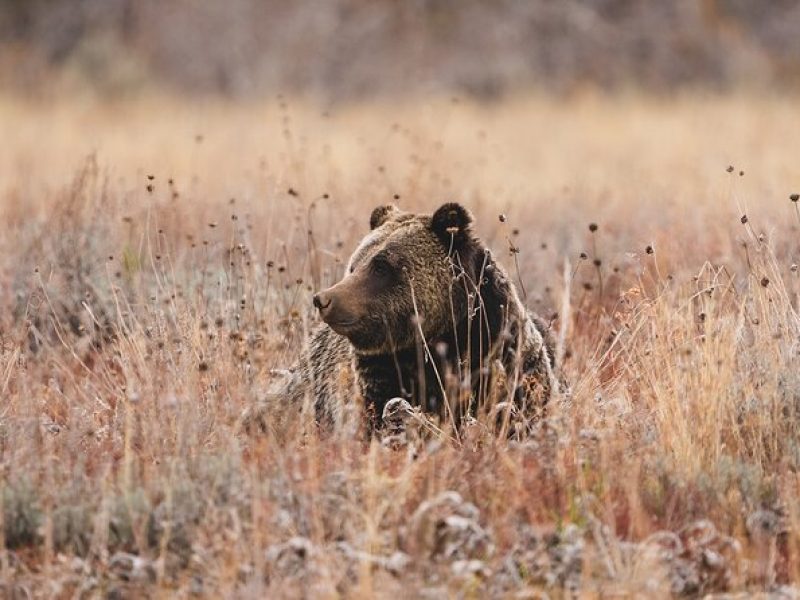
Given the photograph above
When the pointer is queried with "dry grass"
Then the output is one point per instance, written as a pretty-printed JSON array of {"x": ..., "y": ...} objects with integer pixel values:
[{"x": 137, "y": 324}]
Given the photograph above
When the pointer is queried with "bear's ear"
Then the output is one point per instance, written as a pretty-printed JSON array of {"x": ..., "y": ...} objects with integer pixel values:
[
  {"x": 451, "y": 223},
  {"x": 382, "y": 214}
]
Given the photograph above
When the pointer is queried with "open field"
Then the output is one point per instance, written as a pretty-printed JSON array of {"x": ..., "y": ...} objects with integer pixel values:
[{"x": 157, "y": 261}]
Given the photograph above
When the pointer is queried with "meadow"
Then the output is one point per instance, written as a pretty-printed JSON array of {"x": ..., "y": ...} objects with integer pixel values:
[{"x": 157, "y": 262}]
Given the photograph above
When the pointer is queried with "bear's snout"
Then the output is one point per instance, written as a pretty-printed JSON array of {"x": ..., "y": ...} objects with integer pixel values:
[
  {"x": 335, "y": 309},
  {"x": 321, "y": 301}
]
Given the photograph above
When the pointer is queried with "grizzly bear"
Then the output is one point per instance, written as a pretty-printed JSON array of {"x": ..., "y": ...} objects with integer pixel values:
[{"x": 425, "y": 313}]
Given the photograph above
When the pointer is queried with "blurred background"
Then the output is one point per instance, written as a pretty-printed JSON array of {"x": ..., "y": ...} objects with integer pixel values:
[{"x": 340, "y": 50}]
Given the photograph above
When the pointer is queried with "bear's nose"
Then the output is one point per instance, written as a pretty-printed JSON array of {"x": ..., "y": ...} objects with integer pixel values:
[{"x": 321, "y": 301}]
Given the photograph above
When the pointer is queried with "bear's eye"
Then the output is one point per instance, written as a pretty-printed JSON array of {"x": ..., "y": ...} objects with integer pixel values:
[{"x": 381, "y": 265}]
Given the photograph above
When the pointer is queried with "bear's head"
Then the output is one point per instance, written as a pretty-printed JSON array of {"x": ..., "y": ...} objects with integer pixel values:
[{"x": 412, "y": 277}]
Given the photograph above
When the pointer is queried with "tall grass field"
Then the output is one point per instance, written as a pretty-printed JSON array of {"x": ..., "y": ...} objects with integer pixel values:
[{"x": 157, "y": 264}]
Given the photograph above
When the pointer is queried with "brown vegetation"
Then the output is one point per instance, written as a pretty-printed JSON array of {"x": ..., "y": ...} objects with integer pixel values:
[
  {"x": 348, "y": 49},
  {"x": 157, "y": 262}
]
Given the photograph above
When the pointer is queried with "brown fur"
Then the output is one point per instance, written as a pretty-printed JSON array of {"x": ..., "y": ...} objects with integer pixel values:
[{"x": 424, "y": 312}]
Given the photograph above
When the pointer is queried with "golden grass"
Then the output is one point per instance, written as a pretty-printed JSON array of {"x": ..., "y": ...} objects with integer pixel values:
[{"x": 137, "y": 325}]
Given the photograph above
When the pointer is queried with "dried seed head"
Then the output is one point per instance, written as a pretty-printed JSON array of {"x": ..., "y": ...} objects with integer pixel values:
[
  {"x": 743, "y": 219},
  {"x": 649, "y": 249}
]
